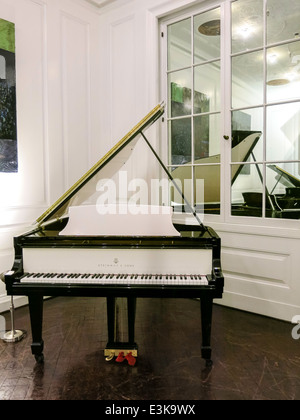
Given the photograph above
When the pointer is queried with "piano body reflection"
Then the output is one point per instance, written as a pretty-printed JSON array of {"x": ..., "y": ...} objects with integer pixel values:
[
  {"x": 81, "y": 248},
  {"x": 284, "y": 205}
]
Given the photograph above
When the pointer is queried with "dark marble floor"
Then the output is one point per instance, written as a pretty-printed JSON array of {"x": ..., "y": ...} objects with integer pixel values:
[{"x": 255, "y": 358}]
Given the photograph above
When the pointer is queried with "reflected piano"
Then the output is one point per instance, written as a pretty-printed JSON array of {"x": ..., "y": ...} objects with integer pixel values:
[
  {"x": 284, "y": 205},
  {"x": 78, "y": 248}
]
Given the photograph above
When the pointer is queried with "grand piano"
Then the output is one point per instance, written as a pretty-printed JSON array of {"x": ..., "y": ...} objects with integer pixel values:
[{"x": 82, "y": 247}]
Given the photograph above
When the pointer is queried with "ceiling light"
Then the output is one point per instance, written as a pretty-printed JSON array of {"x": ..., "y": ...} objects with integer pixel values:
[
  {"x": 210, "y": 28},
  {"x": 278, "y": 82},
  {"x": 272, "y": 58},
  {"x": 246, "y": 30}
]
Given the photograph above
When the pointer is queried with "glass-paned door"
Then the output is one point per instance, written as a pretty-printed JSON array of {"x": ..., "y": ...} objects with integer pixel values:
[
  {"x": 194, "y": 109},
  {"x": 265, "y": 85},
  {"x": 232, "y": 72}
]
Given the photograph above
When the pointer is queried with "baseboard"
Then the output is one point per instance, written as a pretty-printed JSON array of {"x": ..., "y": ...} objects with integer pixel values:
[{"x": 256, "y": 305}]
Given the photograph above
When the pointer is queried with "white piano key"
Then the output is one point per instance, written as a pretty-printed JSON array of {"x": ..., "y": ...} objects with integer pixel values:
[
  {"x": 78, "y": 260},
  {"x": 121, "y": 279}
]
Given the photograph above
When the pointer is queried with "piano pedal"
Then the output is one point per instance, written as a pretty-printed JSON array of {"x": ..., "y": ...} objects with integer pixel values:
[
  {"x": 130, "y": 359},
  {"x": 109, "y": 356},
  {"x": 121, "y": 355}
]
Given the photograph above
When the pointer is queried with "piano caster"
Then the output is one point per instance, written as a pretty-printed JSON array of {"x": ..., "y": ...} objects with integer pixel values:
[{"x": 39, "y": 358}]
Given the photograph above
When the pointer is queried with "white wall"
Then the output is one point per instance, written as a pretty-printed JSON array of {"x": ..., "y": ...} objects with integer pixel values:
[{"x": 58, "y": 107}]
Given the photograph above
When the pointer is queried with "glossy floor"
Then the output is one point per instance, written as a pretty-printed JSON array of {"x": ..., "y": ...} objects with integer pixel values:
[{"x": 255, "y": 358}]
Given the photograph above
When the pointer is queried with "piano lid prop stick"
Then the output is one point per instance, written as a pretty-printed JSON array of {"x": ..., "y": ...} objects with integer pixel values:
[{"x": 194, "y": 213}]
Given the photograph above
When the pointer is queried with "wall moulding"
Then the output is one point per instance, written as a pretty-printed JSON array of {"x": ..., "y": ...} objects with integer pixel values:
[
  {"x": 12, "y": 217},
  {"x": 257, "y": 265}
]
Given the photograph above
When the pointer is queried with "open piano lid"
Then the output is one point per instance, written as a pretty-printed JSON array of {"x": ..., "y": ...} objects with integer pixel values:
[
  {"x": 86, "y": 185},
  {"x": 285, "y": 177}
]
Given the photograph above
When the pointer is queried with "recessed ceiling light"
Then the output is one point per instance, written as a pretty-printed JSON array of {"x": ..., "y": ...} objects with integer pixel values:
[
  {"x": 278, "y": 82},
  {"x": 246, "y": 30},
  {"x": 210, "y": 28},
  {"x": 273, "y": 58}
]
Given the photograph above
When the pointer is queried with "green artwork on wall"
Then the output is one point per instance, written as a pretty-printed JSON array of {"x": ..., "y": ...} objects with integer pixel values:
[
  {"x": 7, "y": 35},
  {"x": 8, "y": 112}
]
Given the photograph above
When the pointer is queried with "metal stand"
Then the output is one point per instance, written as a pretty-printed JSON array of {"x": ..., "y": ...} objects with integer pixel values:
[{"x": 13, "y": 336}]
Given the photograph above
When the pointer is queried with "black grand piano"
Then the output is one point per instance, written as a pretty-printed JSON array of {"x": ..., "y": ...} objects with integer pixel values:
[{"x": 81, "y": 247}]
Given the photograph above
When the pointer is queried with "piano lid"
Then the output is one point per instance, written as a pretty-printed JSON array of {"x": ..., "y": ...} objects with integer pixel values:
[
  {"x": 284, "y": 177},
  {"x": 110, "y": 164}
]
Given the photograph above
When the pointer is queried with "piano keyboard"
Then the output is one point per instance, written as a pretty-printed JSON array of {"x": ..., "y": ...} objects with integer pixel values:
[{"x": 125, "y": 279}]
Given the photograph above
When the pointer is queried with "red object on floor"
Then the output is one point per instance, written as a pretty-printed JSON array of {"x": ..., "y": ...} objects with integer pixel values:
[
  {"x": 120, "y": 357},
  {"x": 130, "y": 359}
]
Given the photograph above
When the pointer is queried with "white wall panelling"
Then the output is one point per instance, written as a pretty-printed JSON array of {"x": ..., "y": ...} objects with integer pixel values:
[
  {"x": 57, "y": 60},
  {"x": 76, "y": 86},
  {"x": 261, "y": 274}
]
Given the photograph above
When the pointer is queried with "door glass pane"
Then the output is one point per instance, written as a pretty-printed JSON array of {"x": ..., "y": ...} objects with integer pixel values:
[
  {"x": 247, "y": 25},
  {"x": 179, "y": 45},
  {"x": 207, "y": 88},
  {"x": 247, "y": 135},
  {"x": 207, "y": 30},
  {"x": 208, "y": 177},
  {"x": 184, "y": 180},
  {"x": 247, "y": 190},
  {"x": 283, "y": 132},
  {"x": 180, "y": 93},
  {"x": 283, "y": 72},
  {"x": 180, "y": 141},
  {"x": 283, "y": 20},
  {"x": 207, "y": 134},
  {"x": 283, "y": 184},
  {"x": 247, "y": 79}
]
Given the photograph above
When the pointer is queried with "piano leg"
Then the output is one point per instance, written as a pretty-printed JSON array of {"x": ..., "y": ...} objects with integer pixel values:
[
  {"x": 206, "y": 319},
  {"x": 110, "y": 305},
  {"x": 36, "y": 319},
  {"x": 131, "y": 307}
]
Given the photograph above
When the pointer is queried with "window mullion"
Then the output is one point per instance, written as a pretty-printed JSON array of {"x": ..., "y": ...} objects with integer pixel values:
[
  {"x": 192, "y": 198},
  {"x": 226, "y": 110}
]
